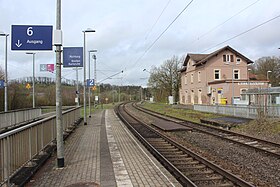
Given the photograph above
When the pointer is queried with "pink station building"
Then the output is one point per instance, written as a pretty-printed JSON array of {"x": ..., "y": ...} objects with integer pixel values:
[{"x": 217, "y": 78}]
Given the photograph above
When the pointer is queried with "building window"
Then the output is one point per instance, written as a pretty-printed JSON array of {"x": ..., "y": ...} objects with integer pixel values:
[
  {"x": 186, "y": 79},
  {"x": 217, "y": 75},
  {"x": 238, "y": 60},
  {"x": 236, "y": 74},
  {"x": 198, "y": 76},
  {"x": 192, "y": 78},
  {"x": 228, "y": 58}
]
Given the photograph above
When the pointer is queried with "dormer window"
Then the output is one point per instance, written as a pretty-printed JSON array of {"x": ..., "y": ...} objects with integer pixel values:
[{"x": 228, "y": 58}]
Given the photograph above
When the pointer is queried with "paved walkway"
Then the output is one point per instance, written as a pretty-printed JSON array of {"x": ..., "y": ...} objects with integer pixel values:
[{"x": 104, "y": 153}]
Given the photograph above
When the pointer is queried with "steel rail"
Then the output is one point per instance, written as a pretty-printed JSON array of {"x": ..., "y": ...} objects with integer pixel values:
[
  {"x": 225, "y": 136},
  {"x": 236, "y": 180}
]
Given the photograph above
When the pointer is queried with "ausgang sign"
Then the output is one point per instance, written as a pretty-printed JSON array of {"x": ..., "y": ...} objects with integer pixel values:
[
  {"x": 31, "y": 37},
  {"x": 72, "y": 57}
]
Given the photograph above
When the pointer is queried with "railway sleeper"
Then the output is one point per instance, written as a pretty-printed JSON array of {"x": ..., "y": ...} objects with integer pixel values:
[
  {"x": 194, "y": 162},
  {"x": 213, "y": 183},
  {"x": 172, "y": 156},
  {"x": 163, "y": 143},
  {"x": 204, "y": 172},
  {"x": 166, "y": 152},
  {"x": 190, "y": 167},
  {"x": 174, "y": 159},
  {"x": 207, "y": 178},
  {"x": 227, "y": 184},
  {"x": 169, "y": 149},
  {"x": 155, "y": 140}
]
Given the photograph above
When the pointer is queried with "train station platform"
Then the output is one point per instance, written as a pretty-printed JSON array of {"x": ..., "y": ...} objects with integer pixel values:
[{"x": 104, "y": 153}]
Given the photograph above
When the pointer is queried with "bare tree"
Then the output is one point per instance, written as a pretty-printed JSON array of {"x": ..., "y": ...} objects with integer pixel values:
[
  {"x": 264, "y": 64},
  {"x": 165, "y": 80}
]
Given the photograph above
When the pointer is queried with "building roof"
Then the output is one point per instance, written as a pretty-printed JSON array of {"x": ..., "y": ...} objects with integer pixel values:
[{"x": 203, "y": 58}]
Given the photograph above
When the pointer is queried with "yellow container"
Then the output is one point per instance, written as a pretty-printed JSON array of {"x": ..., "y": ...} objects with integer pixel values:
[{"x": 223, "y": 101}]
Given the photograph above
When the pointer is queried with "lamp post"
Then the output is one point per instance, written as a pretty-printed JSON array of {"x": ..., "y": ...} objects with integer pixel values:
[
  {"x": 267, "y": 78},
  {"x": 89, "y": 90},
  {"x": 6, "y": 72},
  {"x": 232, "y": 82},
  {"x": 33, "y": 77},
  {"x": 84, "y": 61},
  {"x": 249, "y": 84}
]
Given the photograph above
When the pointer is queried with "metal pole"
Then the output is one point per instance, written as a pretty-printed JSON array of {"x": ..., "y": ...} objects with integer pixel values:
[
  {"x": 84, "y": 58},
  {"x": 95, "y": 75},
  {"x": 6, "y": 73},
  {"x": 59, "y": 127},
  {"x": 89, "y": 90},
  {"x": 89, "y": 87},
  {"x": 232, "y": 101},
  {"x": 33, "y": 79},
  {"x": 119, "y": 94},
  {"x": 77, "y": 87}
]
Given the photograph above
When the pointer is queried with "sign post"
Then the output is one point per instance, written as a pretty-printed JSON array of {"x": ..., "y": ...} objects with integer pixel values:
[{"x": 31, "y": 37}]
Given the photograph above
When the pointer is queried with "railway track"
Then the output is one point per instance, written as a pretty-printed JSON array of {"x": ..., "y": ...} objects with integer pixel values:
[
  {"x": 267, "y": 147},
  {"x": 189, "y": 168}
]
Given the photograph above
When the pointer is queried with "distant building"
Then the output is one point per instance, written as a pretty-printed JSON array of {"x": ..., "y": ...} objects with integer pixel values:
[{"x": 216, "y": 78}]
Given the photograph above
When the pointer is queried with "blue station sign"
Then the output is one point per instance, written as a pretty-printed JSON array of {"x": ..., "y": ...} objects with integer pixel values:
[
  {"x": 90, "y": 82},
  {"x": 2, "y": 83},
  {"x": 73, "y": 57},
  {"x": 31, "y": 37}
]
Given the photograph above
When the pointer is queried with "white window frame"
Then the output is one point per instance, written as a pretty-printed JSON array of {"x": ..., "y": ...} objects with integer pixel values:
[
  {"x": 237, "y": 74},
  {"x": 215, "y": 74},
  {"x": 199, "y": 76},
  {"x": 240, "y": 60}
]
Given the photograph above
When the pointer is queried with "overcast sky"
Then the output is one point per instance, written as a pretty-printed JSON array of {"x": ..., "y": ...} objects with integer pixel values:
[{"x": 125, "y": 29}]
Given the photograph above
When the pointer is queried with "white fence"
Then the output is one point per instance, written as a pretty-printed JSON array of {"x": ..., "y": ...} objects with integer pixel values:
[
  {"x": 240, "y": 111},
  {"x": 15, "y": 117},
  {"x": 19, "y": 146}
]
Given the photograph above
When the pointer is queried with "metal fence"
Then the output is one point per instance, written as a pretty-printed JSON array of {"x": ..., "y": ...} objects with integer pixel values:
[
  {"x": 15, "y": 117},
  {"x": 19, "y": 146},
  {"x": 241, "y": 111}
]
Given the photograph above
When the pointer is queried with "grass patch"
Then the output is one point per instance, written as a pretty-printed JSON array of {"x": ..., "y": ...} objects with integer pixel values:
[{"x": 185, "y": 114}]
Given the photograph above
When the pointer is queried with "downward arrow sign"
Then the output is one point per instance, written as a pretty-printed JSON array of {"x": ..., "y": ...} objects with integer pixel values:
[{"x": 18, "y": 44}]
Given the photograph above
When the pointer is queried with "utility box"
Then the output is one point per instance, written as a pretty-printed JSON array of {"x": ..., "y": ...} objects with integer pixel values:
[
  {"x": 278, "y": 100},
  {"x": 170, "y": 100}
]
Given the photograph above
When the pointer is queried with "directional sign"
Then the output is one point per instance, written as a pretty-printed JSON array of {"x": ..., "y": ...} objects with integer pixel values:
[
  {"x": 47, "y": 67},
  {"x": 43, "y": 67},
  {"x": 2, "y": 83},
  {"x": 72, "y": 57},
  {"x": 31, "y": 37},
  {"x": 90, "y": 82},
  {"x": 50, "y": 67}
]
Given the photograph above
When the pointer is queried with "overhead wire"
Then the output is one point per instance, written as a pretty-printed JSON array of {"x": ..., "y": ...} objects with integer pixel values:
[
  {"x": 154, "y": 42},
  {"x": 244, "y": 32},
  {"x": 150, "y": 30},
  {"x": 224, "y": 22}
]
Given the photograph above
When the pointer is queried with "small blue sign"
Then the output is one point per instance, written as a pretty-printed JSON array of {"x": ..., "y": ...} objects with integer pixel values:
[
  {"x": 73, "y": 57},
  {"x": 31, "y": 37},
  {"x": 2, "y": 83},
  {"x": 90, "y": 82}
]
